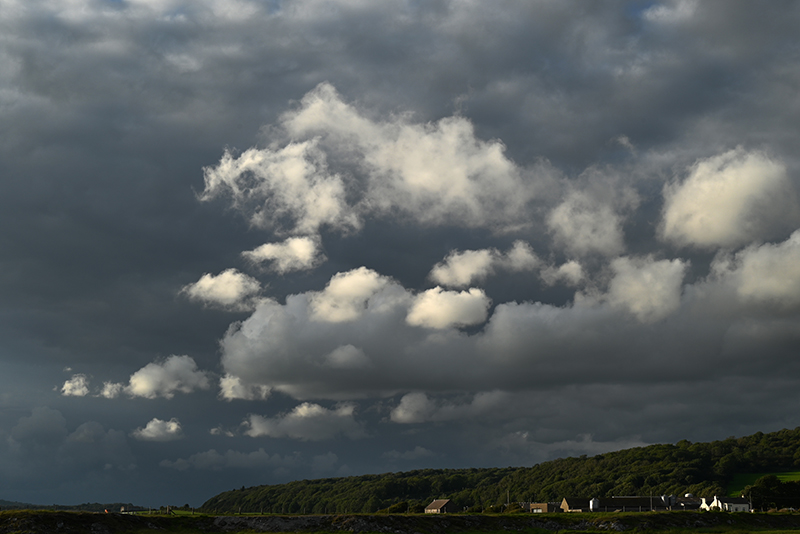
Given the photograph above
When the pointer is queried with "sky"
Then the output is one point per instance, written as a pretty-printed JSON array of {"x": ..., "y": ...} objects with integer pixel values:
[{"x": 253, "y": 241}]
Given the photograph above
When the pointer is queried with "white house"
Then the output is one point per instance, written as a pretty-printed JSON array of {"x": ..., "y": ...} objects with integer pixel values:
[{"x": 726, "y": 504}]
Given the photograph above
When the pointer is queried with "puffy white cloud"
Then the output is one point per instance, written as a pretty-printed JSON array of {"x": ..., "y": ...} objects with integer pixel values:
[
  {"x": 413, "y": 408},
  {"x": 220, "y": 431},
  {"x": 293, "y": 254},
  {"x": 417, "y": 407},
  {"x": 347, "y": 357},
  {"x": 111, "y": 390},
  {"x": 435, "y": 173},
  {"x": 520, "y": 257},
  {"x": 291, "y": 183},
  {"x": 158, "y": 430},
  {"x": 729, "y": 200},
  {"x": 649, "y": 289},
  {"x": 308, "y": 422},
  {"x": 767, "y": 274},
  {"x": 77, "y": 386},
  {"x": 583, "y": 224},
  {"x": 437, "y": 308},
  {"x": 233, "y": 387},
  {"x": 175, "y": 374},
  {"x": 229, "y": 289},
  {"x": 570, "y": 273},
  {"x": 460, "y": 269},
  {"x": 348, "y": 295},
  {"x": 214, "y": 461}
]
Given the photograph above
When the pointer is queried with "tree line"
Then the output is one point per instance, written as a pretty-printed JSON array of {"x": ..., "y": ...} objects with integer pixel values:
[{"x": 703, "y": 469}]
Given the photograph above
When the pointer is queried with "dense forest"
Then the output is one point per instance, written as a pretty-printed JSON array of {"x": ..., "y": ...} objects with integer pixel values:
[{"x": 704, "y": 469}]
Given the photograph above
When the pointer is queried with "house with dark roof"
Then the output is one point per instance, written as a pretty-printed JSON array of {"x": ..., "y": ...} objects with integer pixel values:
[{"x": 687, "y": 502}]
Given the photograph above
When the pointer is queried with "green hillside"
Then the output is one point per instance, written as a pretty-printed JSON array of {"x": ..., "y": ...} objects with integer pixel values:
[{"x": 704, "y": 469}]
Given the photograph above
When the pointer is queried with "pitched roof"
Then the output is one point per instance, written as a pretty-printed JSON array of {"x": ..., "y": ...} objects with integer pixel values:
[
  {"x": 733, "y": 500},
  {"x": 438, "y": 503},
  {"x": 576, "y": 502}
]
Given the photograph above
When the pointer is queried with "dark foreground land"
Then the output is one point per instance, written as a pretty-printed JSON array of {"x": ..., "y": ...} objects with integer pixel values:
[{"x": 40, "y": 522}]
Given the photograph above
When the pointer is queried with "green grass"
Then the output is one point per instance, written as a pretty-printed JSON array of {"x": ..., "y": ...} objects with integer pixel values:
[{"x": 741, "y": 480}]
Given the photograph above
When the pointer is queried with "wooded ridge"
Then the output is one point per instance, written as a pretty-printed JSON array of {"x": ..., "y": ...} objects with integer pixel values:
[{"x": 703, "y": 469}]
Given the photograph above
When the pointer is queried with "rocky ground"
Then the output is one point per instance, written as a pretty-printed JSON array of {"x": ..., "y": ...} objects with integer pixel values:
[{"x": 19, "y": 522}]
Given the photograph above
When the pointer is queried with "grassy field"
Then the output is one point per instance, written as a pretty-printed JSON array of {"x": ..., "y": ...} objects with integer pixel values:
[
  {"x": 48, "y": 522},
  {"x": 746, "y": 479}
]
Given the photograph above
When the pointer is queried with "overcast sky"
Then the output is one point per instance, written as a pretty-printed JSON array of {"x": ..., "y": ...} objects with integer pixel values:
[{"x": 252, "y": 241}]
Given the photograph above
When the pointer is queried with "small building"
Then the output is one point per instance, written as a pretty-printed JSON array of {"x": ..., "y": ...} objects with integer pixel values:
[
  {"x": 541, "y": 507},
  {"x": 441, "y": 506},
  {"x": 726, "y": 504},
  {"x": 687, "y": 502},
  {"x": 573, "y": 504}
]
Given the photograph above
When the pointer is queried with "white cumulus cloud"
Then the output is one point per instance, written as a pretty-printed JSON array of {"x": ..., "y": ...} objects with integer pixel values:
[
  {"x": 434, "y": 173},
  {"x": 229, "y": 289},
  {"x": 159, "y": 430},
  {"x": 111, "y": 390},
  {"x": 288, "y": 189},
  {"x": 649, "y": 289},
  {"x": 176, "y": 374},
  {"x": 766, "y": 274},
  {"x": 570, "y": 273},
  {"x": 729, "y": 200},
  {"x": 583, "y": 224},
  {"x": 520, "y": 257},
  {"x": 438, "y": 308},
  {"x": 232, "y": 387},
  {"x": 293, "y": 254},
  {"x": 417, "y": 407},
  {"x": 307, "y": 422},
  {"x": 347, "y": 295},
  {"x": 77, "y": 386},
  {"x": 460, "y": 269}
]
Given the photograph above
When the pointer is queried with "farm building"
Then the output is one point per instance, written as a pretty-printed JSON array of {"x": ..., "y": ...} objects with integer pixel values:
[{"x": 441, "y": 506}]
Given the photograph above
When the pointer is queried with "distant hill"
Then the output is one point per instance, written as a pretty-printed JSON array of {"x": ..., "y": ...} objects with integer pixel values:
[{"x": 704, "y": 469}]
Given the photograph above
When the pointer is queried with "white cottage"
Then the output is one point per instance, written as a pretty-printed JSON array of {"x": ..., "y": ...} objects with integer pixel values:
[{"x": 726, "y": 504}]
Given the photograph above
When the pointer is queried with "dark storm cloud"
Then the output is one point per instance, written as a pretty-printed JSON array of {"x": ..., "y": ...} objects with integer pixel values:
[{"x": 432, "y": 218}]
